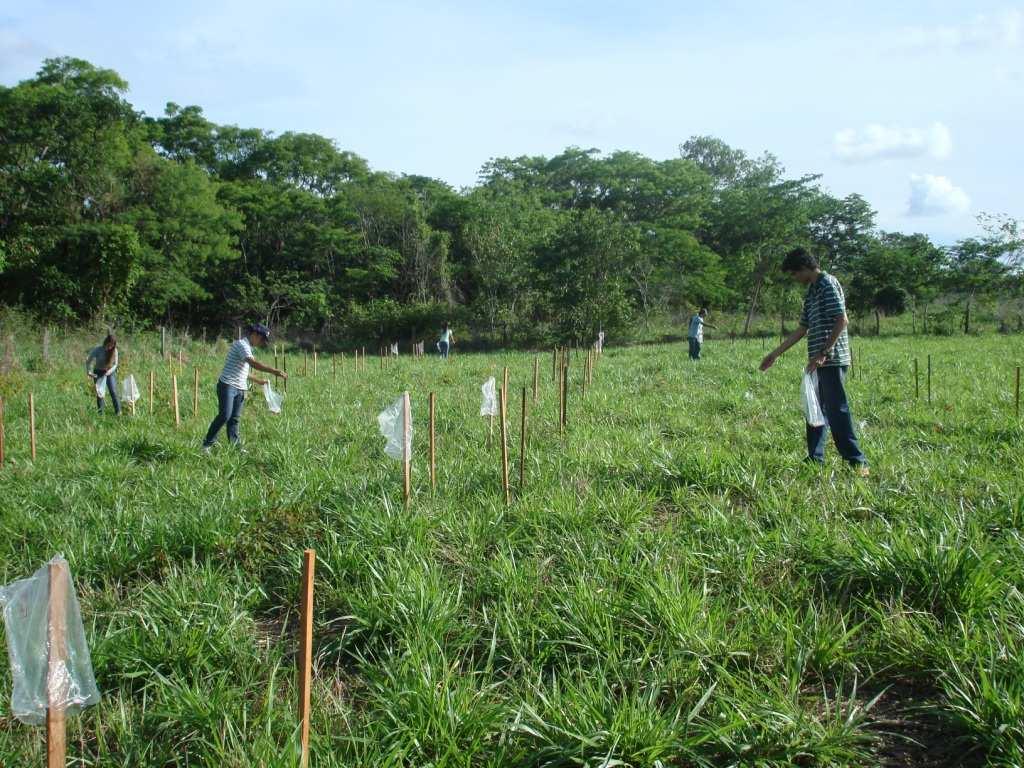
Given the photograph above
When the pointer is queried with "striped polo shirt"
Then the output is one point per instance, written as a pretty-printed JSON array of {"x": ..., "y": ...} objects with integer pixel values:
[
  {"x": 236, "y": 367},
  {"x": 823, "y": 303}
]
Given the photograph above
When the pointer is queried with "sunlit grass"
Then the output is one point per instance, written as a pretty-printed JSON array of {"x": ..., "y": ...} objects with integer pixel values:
[{"x": 672, "y": 586}]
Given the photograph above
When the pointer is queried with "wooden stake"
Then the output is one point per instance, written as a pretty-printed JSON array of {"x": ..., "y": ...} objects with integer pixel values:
[
  {"x": 502, "y": 415},
  {"x": 929, "y": 379},
  {"x": 406, "y": 452},
  {"x": 163, "y": 342},
  {"x": 1, "y": 431},
  {"x": 334, "y": 366},
  {"x": 181, "y": 360},
  {"x": 305, "y": 651},
  {"x": 1016, "y": 408},
  {"x": 195, "y": 393},
  {"x": 314, "y": 359},
  {"x": 32, "y": 423},
  {"x": 554, "y": 363},
  {"x": 536, "y": 377},
  {"x": 174, "y": 400},
  {"x": 504, "y": 379},
  {"x": 565, "y": 397},
  {"x": 305, "y": 362},
  {"x": 284, "y": 359},
  {"x": 433, "y": 469},
  {"x": 917, "y": 382},
  {"x": 56, "y": 683},
  {"x": 152, "y": 383},
  {"x": 522, "y": 445}
]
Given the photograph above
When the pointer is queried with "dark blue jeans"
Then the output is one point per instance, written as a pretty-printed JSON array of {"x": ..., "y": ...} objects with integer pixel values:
[
  {"x": 694, "y": 349},
  {"x": 839, "y": 420},
  {"x": 111, "y": 390},
  {"x": 442, "y": 347},
  {"x": 229, "y": 410}
]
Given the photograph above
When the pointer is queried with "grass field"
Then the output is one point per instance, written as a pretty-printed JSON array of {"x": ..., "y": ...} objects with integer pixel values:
[{"x": 671, "y": 587}]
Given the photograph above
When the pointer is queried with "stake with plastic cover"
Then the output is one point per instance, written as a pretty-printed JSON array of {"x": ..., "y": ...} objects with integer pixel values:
[
  {"x": 130, "y": 390},
  {"x": 813, "y": 414},
  {"x": 274, "y": 399},
  {"x": 390, "y": 421},
  {"x": 489, "y": 405},
  {"x": 61, "y": 678}
]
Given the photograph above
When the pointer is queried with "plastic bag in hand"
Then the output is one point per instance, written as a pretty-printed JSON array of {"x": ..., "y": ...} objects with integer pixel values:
[
  {"x": 26, "y": 606},
  {"x": 391, "y": 427},
  {"x": 130, "y": 390},
  {"x": 813, "y": 414},
  {"x": 101, "y": 386},
  {"x": 489, "y": 406},
  {"x": 274, "y": 400}
]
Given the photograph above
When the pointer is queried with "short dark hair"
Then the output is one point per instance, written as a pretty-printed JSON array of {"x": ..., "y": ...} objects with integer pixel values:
[
  {"x": 703, "y": 311},
  {"x": 797, "y": 259}
]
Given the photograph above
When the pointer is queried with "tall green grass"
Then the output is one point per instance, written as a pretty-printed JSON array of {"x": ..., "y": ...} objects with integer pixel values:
[{"x": 671, "y": 587}]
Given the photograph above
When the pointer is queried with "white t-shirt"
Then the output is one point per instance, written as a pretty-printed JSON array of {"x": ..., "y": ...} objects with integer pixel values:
[
  {"x": 446, "y": 335},
  {"x": 236, "y": 367},
  {"x": 696, "y": 328}
]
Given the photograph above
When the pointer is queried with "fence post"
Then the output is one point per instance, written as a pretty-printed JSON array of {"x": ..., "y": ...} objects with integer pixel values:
[
  {"x": 56, "y": 731},
  {"x": 305, "y": 651}
]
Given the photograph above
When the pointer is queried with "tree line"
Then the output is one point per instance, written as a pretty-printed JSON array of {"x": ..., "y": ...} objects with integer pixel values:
[{"x": 111, "y": 215}]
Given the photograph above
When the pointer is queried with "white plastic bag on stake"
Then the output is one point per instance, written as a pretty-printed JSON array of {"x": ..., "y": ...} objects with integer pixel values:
[
  {"x": 274, "y": 400},
  {"x": 130, "y": 390},
  {"x": 390, "y": 422},
  {"x": 489, "y": 406},
  {"x": 70, "y": 685},
  {"x": 101, "y": 386},
  {"x": 813, "y": 414},
  {"x": 394, "y": 349}
]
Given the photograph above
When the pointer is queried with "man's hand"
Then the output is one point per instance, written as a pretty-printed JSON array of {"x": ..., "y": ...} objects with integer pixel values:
[
  {"x": 816, "y": 362},
  {"x": 769, "y": 360},
  {"x": 282, "y": 374},
  {"x": 261, "y": 382}
]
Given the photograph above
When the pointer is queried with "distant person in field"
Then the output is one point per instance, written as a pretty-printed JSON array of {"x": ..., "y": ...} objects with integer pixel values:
[
  {"x": 695, "y": 333},
  {"x": 444, "y": 345},
  {"x": 100, "y": 366},
  {"x": 234, "y": 383},
  {"x": 824, "y": 322}
]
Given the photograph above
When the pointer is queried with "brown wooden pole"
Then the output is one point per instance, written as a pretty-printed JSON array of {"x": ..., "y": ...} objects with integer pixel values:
[
  {"x": 433, "y": 468},
  {"x": 1, "y": 431},
  {"x": 536, "y": 377},
  {"x": 565, "y": 397},
  {"x": 917, "y": 382},
  {"x": 929, "y": 379},
  {"x": 305, "y": 670},
  {"x": 554, "y": 363},
  {"x": 522, "y": 444},
  {"x": 406, "y": 449},
  {"x": 334, "y": 366},
  {"x": 284, "y": 359},
  {"x": 32, "y": 423},
  {"x": 502, "y": 415},
  {"x": 504, "y": 379},
  {"x": 174, "y": 399},
  {"x": 195, "y": 392},
  {"x": 1016, "y": 408},
  {"x": 56, "y": 683},
  {"x": 152, "y": 386},
  {"x": 305, "y": 362}
]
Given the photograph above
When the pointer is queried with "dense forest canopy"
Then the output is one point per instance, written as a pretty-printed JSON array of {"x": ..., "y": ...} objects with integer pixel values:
[{"x": 109, "y": 214}]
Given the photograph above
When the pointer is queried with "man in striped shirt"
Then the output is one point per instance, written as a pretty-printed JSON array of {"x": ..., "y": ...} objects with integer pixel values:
[
  {"x": 234, "y": 382},
  {"x": 824, "y": 322}
]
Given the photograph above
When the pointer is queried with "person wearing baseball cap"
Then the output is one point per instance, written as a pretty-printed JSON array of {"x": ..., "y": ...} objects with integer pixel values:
[{"x": 234, "y": 382}]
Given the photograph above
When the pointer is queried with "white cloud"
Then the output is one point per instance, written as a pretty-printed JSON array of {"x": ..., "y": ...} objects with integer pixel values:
[
  {"x": 1004, "y": 29},
  {"x": 876, "y": 142},
  {"x": 935, "y": 196}
]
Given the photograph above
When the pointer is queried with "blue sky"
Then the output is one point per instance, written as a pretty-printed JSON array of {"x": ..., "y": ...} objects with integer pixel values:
[{"x": 919, "y": 106}]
